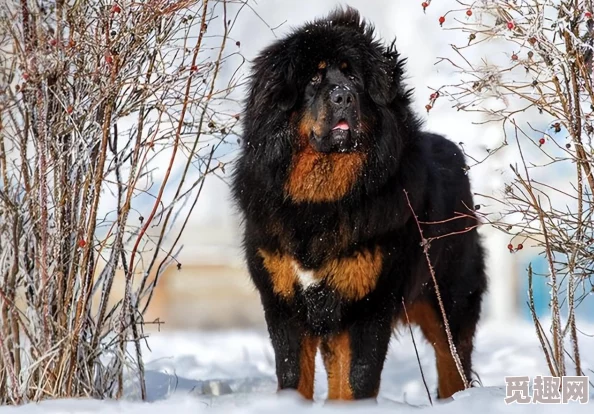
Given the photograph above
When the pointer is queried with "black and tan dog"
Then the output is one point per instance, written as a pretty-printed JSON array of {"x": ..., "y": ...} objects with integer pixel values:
[{"x": 330, "y": 147}]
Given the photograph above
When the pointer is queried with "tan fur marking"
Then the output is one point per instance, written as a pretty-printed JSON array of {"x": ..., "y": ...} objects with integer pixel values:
[
  {"x": 424, "y": 315},
  {"x": 282, "y": 273},
  {"x": 318, "y": 177},
  {"x": 307, "y": 125},
  {"x": 322, "y": 65},
  {"x": 354, "y": 276},
  {"x": 307, "y": 366},
  {"x": 344, "y": 65},
  {"x": 336, "y": 353}
]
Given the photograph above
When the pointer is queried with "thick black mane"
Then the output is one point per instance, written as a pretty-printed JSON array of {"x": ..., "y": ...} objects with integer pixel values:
[{"x": 280, "y": 72}]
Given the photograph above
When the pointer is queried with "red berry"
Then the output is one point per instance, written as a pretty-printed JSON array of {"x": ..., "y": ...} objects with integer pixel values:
[
  {"x": 116, "y": 9},
  {"x": 433, "y": 96},
  {"x": 26, "y": 76},
  {"x": 510, "y": 25},
  {"x": 194, "y": 68},
  {"x": 428, "y": 107},
  {"x": 588, "y": 15},
  {"x": 424, "y": 5},
  {"x": 53, "y": 42},
  {"x": 82, "y": 243},
  {"x": 70, "y": 109},
  {"x": 520, "y": 246},
  {"x": 514, "y": 57},
  {"x": 469, "y": 12},
  {"x": 109, "y": 59},
  {"x": 541, "y": 141},
  {"x": 441, "y": 20},
  {"x": 510, "y": 247}
]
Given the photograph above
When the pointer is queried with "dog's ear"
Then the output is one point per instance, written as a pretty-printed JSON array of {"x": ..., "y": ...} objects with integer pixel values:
[
  {"x": 385, "y": 83},
  {"x": 274, "y": 82},
  {"x": 285, "y": 92}
]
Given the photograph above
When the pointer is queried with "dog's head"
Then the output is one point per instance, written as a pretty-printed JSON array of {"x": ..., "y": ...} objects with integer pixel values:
[
  {"x": 327, "y": 115},
  {"x": 330, "y": 79}
]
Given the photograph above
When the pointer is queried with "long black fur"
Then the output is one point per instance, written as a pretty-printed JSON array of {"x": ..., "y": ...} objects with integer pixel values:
[{"x": 400, "y": 157}]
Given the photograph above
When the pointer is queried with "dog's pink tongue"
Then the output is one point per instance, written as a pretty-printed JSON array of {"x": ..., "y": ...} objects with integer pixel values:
[{"x": 342, "y": 125}]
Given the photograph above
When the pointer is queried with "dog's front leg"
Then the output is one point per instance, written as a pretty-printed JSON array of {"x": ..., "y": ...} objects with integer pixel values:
[
  {"x": 294, "y": 351},
  {"x": 354, "y": 359}
]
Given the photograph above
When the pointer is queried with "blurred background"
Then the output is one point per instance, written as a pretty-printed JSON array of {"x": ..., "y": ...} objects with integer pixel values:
[{"x": 212, "y": 290}]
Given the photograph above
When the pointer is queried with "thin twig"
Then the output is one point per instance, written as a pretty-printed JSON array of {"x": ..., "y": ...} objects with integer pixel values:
[{"x": 416, "y": 353}]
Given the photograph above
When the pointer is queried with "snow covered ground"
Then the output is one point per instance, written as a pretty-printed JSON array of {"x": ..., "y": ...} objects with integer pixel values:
[{"x": 233, "y": 372}]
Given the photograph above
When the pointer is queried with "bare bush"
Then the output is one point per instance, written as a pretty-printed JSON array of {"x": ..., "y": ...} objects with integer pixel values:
[
  {"x": 110, "y": 118},
  {"x": 527, "y": 66}
]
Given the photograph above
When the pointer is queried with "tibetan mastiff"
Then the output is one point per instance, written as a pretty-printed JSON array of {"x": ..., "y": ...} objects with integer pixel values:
[{"x": 344, "y": 198}]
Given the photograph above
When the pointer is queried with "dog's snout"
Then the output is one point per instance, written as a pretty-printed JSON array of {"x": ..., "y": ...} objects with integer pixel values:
[{"x": 341, "y": 97}]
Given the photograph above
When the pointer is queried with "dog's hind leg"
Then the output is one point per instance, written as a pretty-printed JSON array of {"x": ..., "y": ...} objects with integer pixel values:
[{"x": 429, "y": 318}]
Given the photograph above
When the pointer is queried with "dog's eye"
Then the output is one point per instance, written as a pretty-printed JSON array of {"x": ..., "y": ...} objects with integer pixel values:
[{"x": 317, "y": 78}]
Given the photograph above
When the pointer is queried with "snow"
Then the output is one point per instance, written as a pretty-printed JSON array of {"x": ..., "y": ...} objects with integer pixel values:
[{"x": 233, "y": 372}]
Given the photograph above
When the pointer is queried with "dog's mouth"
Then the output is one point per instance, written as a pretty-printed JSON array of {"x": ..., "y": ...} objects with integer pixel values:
[
  {"x": 342, "y": 125},
  {"x": 339, "y": 138}
]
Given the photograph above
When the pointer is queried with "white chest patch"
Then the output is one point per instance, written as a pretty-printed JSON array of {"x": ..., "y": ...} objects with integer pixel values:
[{"x": 305, "y": 277}]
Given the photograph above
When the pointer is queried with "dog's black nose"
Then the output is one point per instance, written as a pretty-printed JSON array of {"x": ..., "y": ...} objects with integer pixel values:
[{"x": 341, "y": 97}]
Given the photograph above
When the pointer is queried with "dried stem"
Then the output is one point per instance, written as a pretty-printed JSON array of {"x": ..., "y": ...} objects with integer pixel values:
[{"x": 543, "y": 94}]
